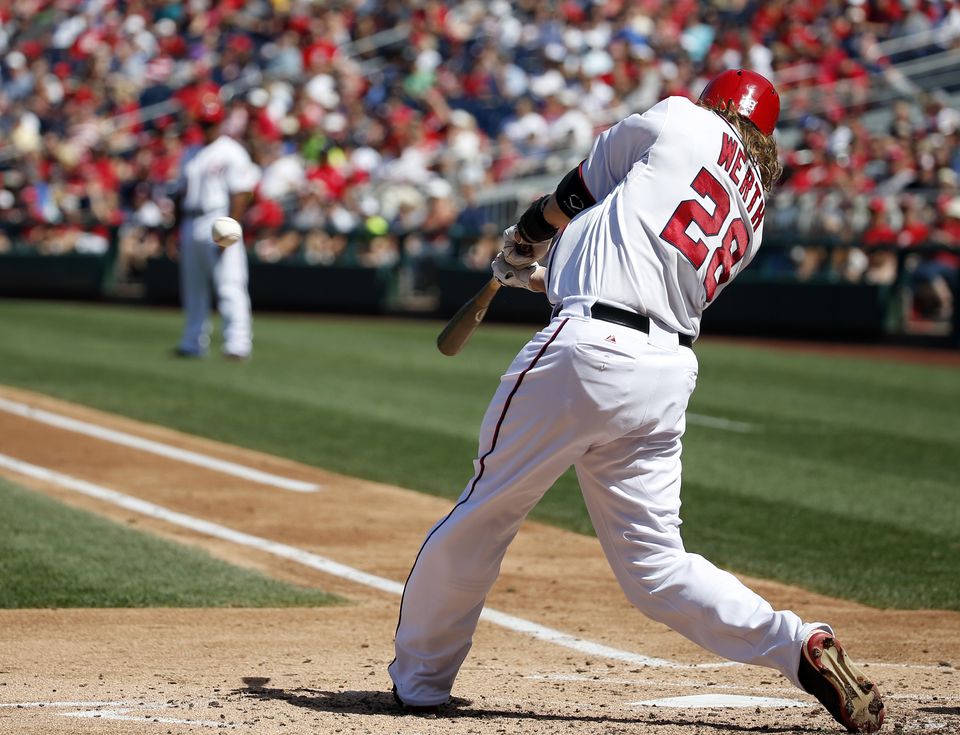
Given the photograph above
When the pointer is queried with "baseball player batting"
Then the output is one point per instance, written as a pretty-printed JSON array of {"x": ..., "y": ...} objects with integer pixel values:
[
  {"x": 664, "y": 213},
  {"x": 216, "y": 180}
]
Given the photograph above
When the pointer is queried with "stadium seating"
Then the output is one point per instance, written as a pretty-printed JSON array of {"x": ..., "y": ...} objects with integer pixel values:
[{"x": 405, "y": 135}]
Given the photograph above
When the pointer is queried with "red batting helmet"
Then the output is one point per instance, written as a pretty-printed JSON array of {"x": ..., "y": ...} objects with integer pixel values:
[
  {"x": 210, "y": 109},
  {"x": 749, "y": 93}
]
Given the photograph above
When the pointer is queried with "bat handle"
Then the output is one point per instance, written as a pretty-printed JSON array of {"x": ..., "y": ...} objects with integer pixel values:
[{"x": 492, "y": 286}]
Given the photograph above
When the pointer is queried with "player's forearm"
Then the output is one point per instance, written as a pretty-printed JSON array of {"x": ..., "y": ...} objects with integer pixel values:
[
  {"x": 238, "y": 204},
  {"x": 548, "y": 214},
  {"x": 538, "y": 280},
  {"x": 553, "y": 214}
]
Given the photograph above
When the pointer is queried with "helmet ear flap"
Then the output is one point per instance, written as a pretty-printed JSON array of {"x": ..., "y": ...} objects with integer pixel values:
[{"x": 748, "y": 93}]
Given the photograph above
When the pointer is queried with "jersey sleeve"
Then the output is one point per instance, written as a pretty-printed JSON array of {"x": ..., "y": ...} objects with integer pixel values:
[
  {"x": 178, "y": 186},
  {"x": 618, "y": 148},
  {"x": 244, "y": 174}
]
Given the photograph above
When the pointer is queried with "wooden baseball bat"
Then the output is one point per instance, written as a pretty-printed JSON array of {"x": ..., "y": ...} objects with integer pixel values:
[{"x": 465, "y": 322}]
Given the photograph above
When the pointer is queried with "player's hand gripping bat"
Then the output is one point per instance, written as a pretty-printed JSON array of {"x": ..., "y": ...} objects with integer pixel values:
[{"x": 463, "y": 324}]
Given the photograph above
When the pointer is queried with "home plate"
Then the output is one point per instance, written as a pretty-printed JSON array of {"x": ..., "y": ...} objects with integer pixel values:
[{"x": 703, "y": 701}]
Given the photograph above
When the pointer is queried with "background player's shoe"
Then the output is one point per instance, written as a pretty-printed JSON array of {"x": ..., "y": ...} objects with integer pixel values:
[
  {"x": 186, "y": 354},
  {"x": 828, "y": 674},
  {"x": 424, "y": 710}
]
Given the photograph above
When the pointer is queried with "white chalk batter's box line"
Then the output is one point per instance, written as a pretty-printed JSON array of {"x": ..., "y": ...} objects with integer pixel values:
[
  {"x": 695, "y": 684},
  {"x": 328, "y": 566},
  {"x": 154, "y": 447},
  {"x": 118, "y": 711},
  {"x": 640, "y": 680}
]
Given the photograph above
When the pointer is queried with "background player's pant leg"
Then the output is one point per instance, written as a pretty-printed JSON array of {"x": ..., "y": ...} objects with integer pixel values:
[
  {"x": 233, "y": 299},
  {"x": 195, "y": 272},
  {"x": 631, "y": 486},
  {"x": 522, "y": 451}
]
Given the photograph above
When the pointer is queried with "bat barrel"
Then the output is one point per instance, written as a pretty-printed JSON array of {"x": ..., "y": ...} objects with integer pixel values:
[{"x": 465, "y": 322}]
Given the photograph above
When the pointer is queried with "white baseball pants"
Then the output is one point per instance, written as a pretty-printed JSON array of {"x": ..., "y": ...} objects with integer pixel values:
[
  {"x": 609, "y": 400},
  {"x": 203, "y": 263}
]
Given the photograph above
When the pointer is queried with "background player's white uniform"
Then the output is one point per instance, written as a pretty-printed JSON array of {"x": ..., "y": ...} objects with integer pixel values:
[
  {"x": 209, "y": 176},
  {"x": 679, "y": 212}
]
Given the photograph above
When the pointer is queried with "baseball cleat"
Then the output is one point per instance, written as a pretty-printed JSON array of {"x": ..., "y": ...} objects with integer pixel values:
[
  {"x": 828, "y": 674},
  {"x": 424, "y": 710}
]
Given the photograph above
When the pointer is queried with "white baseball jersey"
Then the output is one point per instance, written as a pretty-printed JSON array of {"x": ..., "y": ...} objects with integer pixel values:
[
  {"x": 679, "y": 213},
  {"x": 209, "y": 175}
]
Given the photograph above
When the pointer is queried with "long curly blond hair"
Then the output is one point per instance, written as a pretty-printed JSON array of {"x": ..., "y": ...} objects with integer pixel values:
[{"x": 761, "y": 148}]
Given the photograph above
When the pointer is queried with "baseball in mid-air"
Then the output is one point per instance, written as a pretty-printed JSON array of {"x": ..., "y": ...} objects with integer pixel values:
[{"x": 226, "y": 231}]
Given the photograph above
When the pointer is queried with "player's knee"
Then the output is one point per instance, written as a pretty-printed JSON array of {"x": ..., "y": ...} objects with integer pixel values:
[{"x": 656, "y": 570}]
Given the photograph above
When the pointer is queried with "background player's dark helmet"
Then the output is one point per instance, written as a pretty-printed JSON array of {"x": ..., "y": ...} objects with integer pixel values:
[{"x": 749, "y": 93}]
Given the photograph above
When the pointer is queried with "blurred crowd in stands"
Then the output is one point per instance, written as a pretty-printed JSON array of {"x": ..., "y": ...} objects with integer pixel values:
[{"x": 395, "y": 131}]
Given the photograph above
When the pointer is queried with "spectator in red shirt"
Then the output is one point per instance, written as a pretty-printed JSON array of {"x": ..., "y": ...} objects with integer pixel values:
[
  {"x": 915, "y": 228},
  {"x": 879, "y": 240}
]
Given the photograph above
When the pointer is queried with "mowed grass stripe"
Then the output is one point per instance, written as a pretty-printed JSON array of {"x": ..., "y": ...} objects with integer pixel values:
[
  {"x": 53, "y": 555},
  {"x": 817, "y": 546},
  {"x": 853, "y": 465}
]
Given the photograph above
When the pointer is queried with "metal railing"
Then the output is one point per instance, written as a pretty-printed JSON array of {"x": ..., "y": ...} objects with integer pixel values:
[{"x": 940, "y": 36}]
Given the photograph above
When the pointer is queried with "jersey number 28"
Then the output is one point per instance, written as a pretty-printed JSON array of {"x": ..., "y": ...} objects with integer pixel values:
[{"x": 733, "y": 242}]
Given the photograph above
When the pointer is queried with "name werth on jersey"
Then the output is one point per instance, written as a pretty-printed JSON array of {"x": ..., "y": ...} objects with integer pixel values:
[{"x": 733, "y": 160}]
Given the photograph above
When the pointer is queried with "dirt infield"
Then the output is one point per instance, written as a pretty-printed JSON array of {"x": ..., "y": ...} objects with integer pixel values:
[{"x": 323, "y": 670}]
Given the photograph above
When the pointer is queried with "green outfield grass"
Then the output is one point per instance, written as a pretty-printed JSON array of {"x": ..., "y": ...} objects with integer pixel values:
[
  {"x": 52, "y": 555},
  {"x": 847, "y": 482}
]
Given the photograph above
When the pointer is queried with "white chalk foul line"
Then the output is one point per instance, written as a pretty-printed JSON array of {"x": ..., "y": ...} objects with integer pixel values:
[
  {"x": 559, "y": 638},
  {"x": 155, "y": 447},
  {"x": 314, "y": 561}
]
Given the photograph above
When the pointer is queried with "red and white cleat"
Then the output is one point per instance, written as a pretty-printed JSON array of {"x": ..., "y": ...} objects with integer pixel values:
[{"x": 827, "y": 673}]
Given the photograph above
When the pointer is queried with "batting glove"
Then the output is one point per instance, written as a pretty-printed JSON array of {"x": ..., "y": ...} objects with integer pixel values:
[
  {"x": 519, "y": 253},
  {"x": 510, "y": 275}
]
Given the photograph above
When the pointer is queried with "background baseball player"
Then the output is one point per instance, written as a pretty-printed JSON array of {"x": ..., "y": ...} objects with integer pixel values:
[
  {"x": 216, "y": 180},
  {"x": 665, "y": 211}
]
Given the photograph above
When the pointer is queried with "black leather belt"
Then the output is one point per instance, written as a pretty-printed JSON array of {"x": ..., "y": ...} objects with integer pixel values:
[
  {"x": 196, "y": 213},
  {"x": 612, "y": 314}
]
